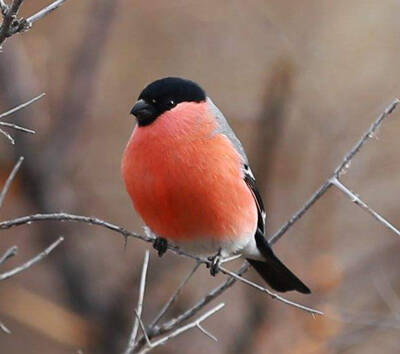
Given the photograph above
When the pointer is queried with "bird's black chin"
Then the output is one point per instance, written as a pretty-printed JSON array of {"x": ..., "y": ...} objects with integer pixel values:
[{"x": 144, "y": 112}]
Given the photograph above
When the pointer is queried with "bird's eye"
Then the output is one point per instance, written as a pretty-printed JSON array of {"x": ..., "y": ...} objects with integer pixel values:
[
  {"x": 154, "y": 100},
  {"x": 171, "y": 103}
]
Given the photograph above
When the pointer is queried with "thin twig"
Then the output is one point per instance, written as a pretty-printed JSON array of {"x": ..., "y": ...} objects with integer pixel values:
[
  {"x": 22, "y": 106},
  {"x": 44, "y": 12},
  {"x": 17, "y": 127},
  {"x": 185, "y": 328},
  {"x": 367, "y": 135},
  {"x": 32, "y": 261},
  {"x": 9, "y": 180},
  {"x": 142, "y": 326},
  {"x": 4, "y": 328},
  {"x": 270, "y": 293},
  {"x": 93, "y": 221},
  {"x": 8, "y": 136},
  {"x": 11, "y": 252},
  {"x": 230, "y": 259},
  {"x": 171, "y": 324},
  {"x": 338, "y": 171},
  {"x": 173, "y": 298},
  {"x": 355, "y": 199},
  {"x": 207, "y": 333},
  {"x": 139, "y": 307}
]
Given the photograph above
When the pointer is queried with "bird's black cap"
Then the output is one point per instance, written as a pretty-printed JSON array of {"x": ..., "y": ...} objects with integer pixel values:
[{"x": 163, "y": 95}]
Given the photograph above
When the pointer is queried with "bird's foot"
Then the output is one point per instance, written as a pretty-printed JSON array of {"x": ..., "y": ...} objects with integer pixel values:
[
  {"x": 214, "y": 263},
  {"x": 161, "y": 245}
]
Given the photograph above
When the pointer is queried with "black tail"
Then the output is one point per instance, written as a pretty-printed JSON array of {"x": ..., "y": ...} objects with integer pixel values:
[{"x": 274, "y": 272}]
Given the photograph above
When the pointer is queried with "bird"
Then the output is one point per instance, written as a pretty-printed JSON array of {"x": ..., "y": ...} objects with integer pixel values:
[{"x": 189, "y": 179}]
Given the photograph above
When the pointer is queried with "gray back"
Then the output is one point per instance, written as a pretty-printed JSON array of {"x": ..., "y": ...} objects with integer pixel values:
[{"x": 225, "y": 129}]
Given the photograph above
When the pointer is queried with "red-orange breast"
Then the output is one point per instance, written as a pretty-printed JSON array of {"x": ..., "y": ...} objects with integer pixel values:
[{"x": 185, "y": 178}]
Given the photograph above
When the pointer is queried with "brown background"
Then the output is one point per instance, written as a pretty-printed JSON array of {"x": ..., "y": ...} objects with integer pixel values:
[{"x": 299, "y": 82}]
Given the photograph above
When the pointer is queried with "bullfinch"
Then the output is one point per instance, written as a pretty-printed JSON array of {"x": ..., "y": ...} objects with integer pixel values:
[{"x": 190, "y": 181}]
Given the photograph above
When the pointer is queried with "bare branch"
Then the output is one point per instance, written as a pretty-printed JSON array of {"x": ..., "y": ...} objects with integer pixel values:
[
  {"x": 4, "y": 328},
  {"x": 355, "y": 199},
  {"x": 11, "y": 252},
  {"x": 72, "y": 218},
  {"x": 142, "y": 326},
  {"x": 230, "y": 259},
  {"x": 32, "y": 261},
  {"x": 338, "y": 171},
  {"x": 173, "y": 298},
  {"x": 8, "y": 136},
  {"x": 44, "y": 12},
  {"x": 17, "y": 127},
  {"x": 196, "y": 323},
  {"x": 207, "y": 333},
  {"x": 11, "y": 25},
  {"x": 270, "y": 293},
  {"x": 9, "y": 180},
  {"x": 22, "y": 106},
  {"x": 95, "y": 221},
  {"x": 367, "y": 135},
  {"x": 139, "y": 307}
]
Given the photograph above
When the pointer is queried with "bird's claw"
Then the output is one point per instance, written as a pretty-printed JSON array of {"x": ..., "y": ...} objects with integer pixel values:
[
  {"x": 161, "y": 245},
  {"x": 214, "y": 264}
]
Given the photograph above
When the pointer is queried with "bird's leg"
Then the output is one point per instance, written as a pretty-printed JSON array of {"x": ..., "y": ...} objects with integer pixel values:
[
  {"x": 161, "y": 245},
  {"x": 214, "y": 265}
]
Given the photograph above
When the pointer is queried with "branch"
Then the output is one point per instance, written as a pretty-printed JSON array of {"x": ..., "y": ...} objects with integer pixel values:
[
  {"x": 270, "y": 293},
  {"x": 31, "y": 262},
  {"x": 44, "y": 12},
  {"x": 95, "y": 221},
  {"x": 139, "y": 307},
  {"x": 72, "y": 218},
  {"x": 355, "y": 199},
  {"x": 9, "y": 180},
  {"x": 337, "y": 172},
  {"x": 22, "y": 106},
  {"x": 197, "y": 323},
  {"x": 11, "y": 252},
  {"x": 4, "y": 328},
  {"x": 173, "y": 298},
  {"x": 11, "y": 25},
  {"x": 8, "y": 136},
  {"x": 15, "y": 126}
]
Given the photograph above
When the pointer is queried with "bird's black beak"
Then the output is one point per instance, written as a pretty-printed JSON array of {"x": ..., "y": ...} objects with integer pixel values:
[{"x": 142, "y": 110}]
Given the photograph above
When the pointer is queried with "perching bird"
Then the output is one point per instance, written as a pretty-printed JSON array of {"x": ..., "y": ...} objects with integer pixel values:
[{"x": 189, "y": 179}]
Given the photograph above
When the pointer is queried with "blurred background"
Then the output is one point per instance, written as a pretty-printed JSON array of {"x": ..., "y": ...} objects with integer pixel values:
[{"x": 299, "y": 82}]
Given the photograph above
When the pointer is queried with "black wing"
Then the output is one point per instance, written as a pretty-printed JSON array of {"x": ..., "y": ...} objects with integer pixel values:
[
  {"x": 251, "y": 183},
  {"x": 274, "y": 272}
]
